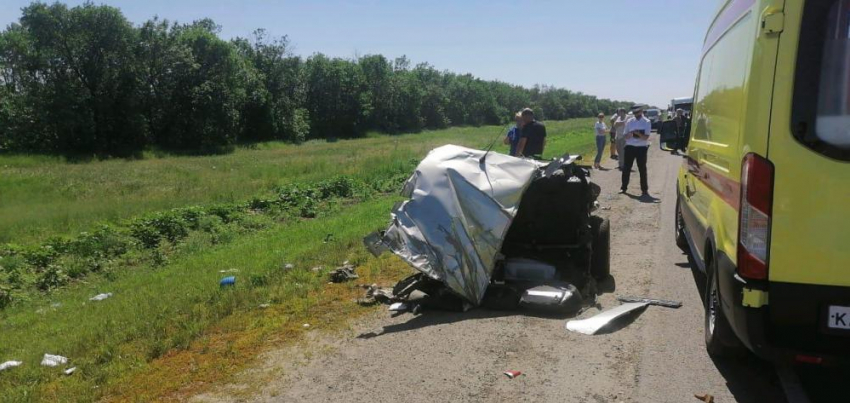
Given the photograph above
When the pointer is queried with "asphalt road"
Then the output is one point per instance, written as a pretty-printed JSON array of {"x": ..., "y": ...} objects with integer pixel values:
[{"x": 440, "y": 356}]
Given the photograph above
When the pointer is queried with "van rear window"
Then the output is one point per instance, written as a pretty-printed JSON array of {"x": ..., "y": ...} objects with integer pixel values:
[{"x": 821, "y": 116}]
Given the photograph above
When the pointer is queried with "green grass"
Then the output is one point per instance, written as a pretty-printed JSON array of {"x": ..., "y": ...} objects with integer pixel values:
[
  {"x": 170, "y": 329},
  {"x": 43, "y": 196}
]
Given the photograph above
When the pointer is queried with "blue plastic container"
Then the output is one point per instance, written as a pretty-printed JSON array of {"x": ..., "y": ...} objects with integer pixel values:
[{"x": 227, "y": 281}]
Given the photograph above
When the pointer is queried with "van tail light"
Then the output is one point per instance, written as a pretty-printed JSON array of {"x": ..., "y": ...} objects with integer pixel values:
[{"x": 755, "y": 217}]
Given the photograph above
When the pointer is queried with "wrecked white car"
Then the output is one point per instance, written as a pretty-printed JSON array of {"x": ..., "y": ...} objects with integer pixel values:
[{"x": 484, "y": 228}]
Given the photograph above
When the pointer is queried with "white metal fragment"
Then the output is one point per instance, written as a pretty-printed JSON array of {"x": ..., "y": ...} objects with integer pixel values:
[{"x": 600, "y": 320}]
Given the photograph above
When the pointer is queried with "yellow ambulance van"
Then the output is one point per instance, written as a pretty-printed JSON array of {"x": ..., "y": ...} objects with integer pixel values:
[{"x": 766, "y": 175}]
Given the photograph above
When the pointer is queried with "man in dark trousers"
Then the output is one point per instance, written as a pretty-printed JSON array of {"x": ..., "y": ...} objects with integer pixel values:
[
  {"x": 533, "y": 138},
  {"x": 637, "y": 145}
]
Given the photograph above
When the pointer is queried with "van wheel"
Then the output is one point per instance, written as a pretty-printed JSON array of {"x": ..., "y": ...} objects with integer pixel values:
[
  {"x": 600, "y": 258},
  {"x": 720, "y": 339},
  {"x": 681, "y": 239}
]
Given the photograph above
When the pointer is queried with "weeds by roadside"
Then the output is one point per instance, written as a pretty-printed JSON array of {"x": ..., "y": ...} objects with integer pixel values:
[{"x": 151, "y": 238}]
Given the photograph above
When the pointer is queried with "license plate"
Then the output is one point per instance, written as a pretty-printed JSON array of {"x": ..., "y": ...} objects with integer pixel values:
[{"x": 838, "y": 317}]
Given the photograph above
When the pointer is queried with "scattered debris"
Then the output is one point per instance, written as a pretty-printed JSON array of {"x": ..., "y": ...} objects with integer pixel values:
[
  {"x": 288, "y": 266},
  {"x": 100, "y": 297},
  {"x": 316, "y": 269},
  {"x": 9, "y": 364},
  {"x": 344, "y": 273},
  {"x": 51, "y": 360},
  {"x": 376, "y": 295},
  {"x": 264, "y": 306},
  {"x": 601, "y": 320},
  {"x": 605, "y": 208},
  {"x": 659, "y": 302},
  {"x": 229, "y": 271},
  {"x": 562, "y": 298},
  {"x": 306, "y": 325},
  {"x": 399, "y": 307},
  {"x": 70, "y": 371},
  {"x": 227, "y": 281},
  {"x": 705, "y": 398},
  {"x": 513, "y": 374}
]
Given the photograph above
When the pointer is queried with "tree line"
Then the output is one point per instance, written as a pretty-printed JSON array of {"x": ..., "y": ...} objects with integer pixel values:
[{"x": 85, "y": 80}]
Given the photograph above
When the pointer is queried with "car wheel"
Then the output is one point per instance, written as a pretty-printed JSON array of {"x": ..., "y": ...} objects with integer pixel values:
[
  {"x": 600, "y": 258},
  {"x": 720, "y": 340},
  {"x": 681, "y": 239}
]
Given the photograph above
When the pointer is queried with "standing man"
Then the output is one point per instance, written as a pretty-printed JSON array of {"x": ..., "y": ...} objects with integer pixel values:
[
  {"x": 533, "y": 138},
  {"x": 637, "y": 145},
  {"x": 614, "y": 155},
  {"x": 514, "y": 134},
  {"x": 618, "y": 124},
  {"x": 681, "y": 120}
]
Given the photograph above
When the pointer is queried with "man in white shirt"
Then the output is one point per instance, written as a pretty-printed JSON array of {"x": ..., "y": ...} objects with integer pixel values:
[
  {"x": 618, "y": 124},
  {"x": 637, "y": 146}
]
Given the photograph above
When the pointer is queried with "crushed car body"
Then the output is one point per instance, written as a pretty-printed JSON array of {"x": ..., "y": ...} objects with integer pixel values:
[{"x": 475, "y": 221}]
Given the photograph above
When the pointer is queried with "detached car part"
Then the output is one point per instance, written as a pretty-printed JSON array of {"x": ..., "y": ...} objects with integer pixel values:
[{"x": 601, "y": 320}]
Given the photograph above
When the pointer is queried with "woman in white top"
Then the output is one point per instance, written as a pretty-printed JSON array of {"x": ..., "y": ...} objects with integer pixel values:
[{"x": 601, "y": 138}]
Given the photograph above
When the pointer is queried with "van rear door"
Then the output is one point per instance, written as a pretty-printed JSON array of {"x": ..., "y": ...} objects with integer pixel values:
[{"x": 809, "y": 146}]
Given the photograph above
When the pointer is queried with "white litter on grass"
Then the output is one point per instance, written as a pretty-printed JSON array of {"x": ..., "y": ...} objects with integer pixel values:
[
  {"x": 100, "y": 297},
  {"x": 306, "y": 325},
  {"x": 70, "y": 371},
  {"x": 264, "y": 306},
  {"x": 9, "y": 364},
  {"x": 229, "y": 271},
  {"x": 51, "y": 360}
]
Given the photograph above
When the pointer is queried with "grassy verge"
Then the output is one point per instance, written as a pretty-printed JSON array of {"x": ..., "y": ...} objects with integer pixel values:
[
  {"x": 44, "y": 196},
  {"x": 167, "y": 327},
  {"x": 170, "y": 331}
]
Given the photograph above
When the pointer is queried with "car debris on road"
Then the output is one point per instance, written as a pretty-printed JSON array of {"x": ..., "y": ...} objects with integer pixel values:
[
  {"x": 651, "y": 301},
  {"x": 593, "y": 325},
  {"x": 484, "y": 228}
]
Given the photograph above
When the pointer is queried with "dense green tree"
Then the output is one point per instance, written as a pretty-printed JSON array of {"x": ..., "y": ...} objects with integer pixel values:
[
  {"x": 83, "y": 80},
  {"x": 74, "y": 78}
]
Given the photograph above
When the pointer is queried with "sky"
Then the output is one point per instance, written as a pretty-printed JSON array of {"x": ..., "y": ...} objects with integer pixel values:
[{"x": 645, "y": 51}]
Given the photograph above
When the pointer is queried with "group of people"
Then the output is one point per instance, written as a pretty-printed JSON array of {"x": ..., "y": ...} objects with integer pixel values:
[
  {"x": 629, "y": 138},
  {"x": 528, "y": 137}
]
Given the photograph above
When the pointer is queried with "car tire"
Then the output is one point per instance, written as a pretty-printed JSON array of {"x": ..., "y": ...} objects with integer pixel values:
[
  {"x": 679, "y": 227},
  {"x": 600, "y": 258},
  {"x": 720, "y": 339}
]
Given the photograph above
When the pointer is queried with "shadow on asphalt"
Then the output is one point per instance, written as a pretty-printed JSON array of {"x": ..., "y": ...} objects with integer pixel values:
[
  {"x": 643, "y": 199},
  {"x": 749, "y": 379}
]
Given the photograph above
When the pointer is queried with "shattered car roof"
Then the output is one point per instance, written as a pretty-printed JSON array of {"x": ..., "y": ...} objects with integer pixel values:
[{"x": 459, "y": 209}]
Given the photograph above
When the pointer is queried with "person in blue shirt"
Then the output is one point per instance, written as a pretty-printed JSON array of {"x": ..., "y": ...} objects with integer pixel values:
[{"x": 514, "y": 134}]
